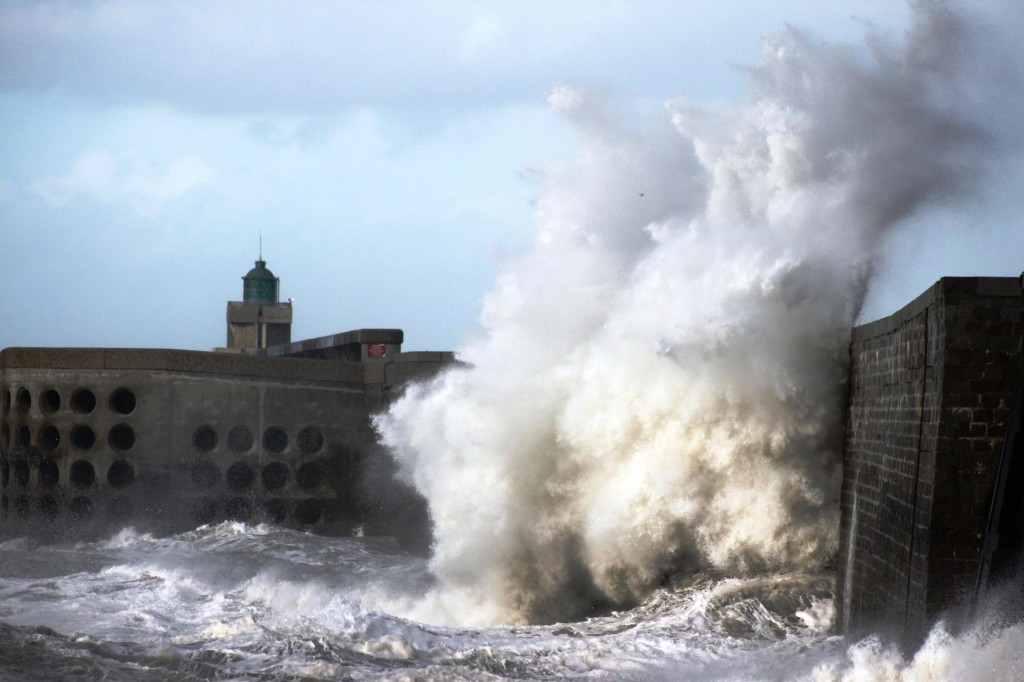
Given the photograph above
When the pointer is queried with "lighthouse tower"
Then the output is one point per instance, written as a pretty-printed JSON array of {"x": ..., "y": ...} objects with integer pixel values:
[{"x": 259, "y": 320}]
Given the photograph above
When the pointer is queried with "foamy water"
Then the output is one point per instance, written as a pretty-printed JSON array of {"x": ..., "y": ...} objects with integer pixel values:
[
  {"x": 243, "y": 602},
  {"x": 658, "y": 385}
]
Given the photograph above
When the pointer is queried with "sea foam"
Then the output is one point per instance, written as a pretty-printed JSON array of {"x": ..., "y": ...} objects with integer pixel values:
[{"x": 659, "y": 384}]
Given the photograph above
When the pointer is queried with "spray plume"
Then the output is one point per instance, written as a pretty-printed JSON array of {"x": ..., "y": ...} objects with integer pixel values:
[{"x": 659, "y": 388}]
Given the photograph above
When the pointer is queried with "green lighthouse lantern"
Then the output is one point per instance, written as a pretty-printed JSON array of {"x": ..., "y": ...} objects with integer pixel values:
[{"x": 260, "y": 285}]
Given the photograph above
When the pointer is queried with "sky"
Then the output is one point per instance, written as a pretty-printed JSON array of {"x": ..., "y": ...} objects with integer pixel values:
[{"x": 386, "y": 154}]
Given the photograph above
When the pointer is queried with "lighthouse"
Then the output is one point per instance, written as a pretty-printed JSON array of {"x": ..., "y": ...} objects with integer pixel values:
[{"x": 260, "y": 319}]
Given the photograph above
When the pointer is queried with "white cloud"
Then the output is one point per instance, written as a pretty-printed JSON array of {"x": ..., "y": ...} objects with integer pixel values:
[{"x": 107, "y": 179}]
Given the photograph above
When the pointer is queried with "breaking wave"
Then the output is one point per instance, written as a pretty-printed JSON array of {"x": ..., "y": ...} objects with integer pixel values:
[{"x": 659, "y": 384}]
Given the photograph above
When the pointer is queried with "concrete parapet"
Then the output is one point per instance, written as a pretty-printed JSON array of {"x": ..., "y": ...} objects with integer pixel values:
[
  {"x": 167, "y": 360},
  {"x": 359, "y": 345}
]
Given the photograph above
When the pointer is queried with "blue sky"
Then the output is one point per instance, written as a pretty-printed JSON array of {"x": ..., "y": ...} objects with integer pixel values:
[{"x": 388, "y": 152}]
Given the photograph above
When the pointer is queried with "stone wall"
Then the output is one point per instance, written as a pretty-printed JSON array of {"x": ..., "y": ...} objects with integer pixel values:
[{"x": 930, "y": 389}]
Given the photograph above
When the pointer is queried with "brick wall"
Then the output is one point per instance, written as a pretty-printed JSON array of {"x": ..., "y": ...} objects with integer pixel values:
[{"x": 930, "y": 388}]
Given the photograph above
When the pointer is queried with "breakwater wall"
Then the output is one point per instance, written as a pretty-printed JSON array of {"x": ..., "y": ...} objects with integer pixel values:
[
  {"x": 166, "y": 440},
  {"x": 930, "y": 391}
]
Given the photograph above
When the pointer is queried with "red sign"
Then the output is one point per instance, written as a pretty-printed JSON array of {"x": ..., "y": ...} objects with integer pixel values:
[{"x": 376, "y": 350}]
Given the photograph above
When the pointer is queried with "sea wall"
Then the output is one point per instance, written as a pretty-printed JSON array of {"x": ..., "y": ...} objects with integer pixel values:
[
  {"x": 930, "y": 390},
  {"x": 166, "y": 440}
]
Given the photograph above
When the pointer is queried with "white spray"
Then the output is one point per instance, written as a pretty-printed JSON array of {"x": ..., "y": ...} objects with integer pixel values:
[{"x": 660, "y": 385}]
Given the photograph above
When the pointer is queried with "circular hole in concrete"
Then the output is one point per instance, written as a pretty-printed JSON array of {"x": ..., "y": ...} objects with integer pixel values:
[
  {"x": 21, "y": 506},
  {"x": 309, "y": 476},
  {"x": 22, "y": 436},
  {"x": 204, "y": 473},
  {"x": 49, "y": 474},
  {"x": 274, "y": 511},
  {"x": 83, "y": 401},
  {"x": 275, "y": 439},
  {"x": 307, "y": 512},
  {"x": 238, "y": 509},
  {"x": 82, "y": 437},
  {"x": 275, "y": 476},
  {"x": 120, "y": 509},
  {"x": 48, "y": 507},
  {"x": 21, "y": 471},
  {"x": 121, "y": 437},
  {"x": 122, "y": 401},
  {"x": 82, "y": 474},
  {"x": 240, "y": 439},
  {"x": 49, "y": 401},
  {"x": 23, "y": 400},
  {"x": 80, "y": 508},
  {"x": 204, "y": 511},
  {"x": 240, "y": 476},
  {"x": 310, "y": 440},
  {"x": 7, "y": 401},
  {"x": 49, "y": 437},
  {"x": 204, "y": 438},
  {"x": 120, "y": 474}
]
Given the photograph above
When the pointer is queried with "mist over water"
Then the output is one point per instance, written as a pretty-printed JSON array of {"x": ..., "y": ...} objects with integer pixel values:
[{"x": 658, "y": 388}]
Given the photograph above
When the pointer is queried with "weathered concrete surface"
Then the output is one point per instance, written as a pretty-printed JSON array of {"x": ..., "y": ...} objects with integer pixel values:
[
  {"x": 375, "y": 346},
  {"x": 258, "y": 325},
  {"x": 168, "y": 439},
  {"x": 930, "y": 388}
]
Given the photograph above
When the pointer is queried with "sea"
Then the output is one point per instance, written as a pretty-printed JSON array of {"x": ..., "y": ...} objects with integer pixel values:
[{"x": 239, "y": 602}]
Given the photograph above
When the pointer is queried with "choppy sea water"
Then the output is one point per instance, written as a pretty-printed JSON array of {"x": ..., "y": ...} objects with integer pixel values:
[{"x": 261, "y": 603}]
